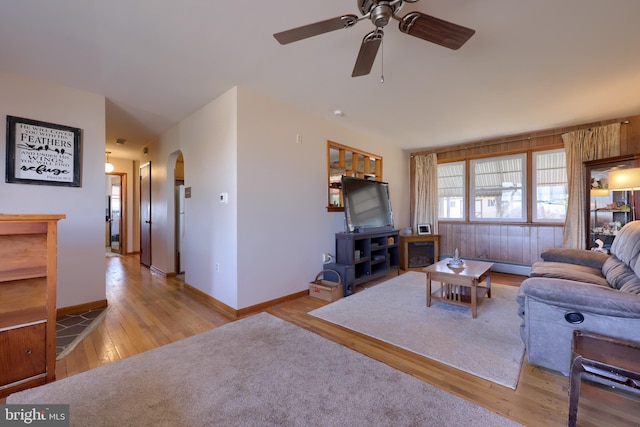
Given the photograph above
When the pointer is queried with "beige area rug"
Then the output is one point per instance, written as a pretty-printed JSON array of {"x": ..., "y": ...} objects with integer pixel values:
[
  {"x": 258, "y": 371},
  {"x": 395, "y": 311}
]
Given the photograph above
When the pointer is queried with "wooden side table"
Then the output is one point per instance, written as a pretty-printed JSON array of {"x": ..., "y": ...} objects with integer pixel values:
[{"x": 616, "y": 360}]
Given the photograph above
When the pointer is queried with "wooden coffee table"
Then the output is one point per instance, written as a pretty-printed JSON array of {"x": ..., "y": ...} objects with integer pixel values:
[{"x": 460, "y": 285}]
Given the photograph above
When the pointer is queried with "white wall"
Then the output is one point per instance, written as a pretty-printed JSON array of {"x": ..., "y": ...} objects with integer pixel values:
[
  {"x": 207, "y": 141},
  {"x": 269, "y": 238},
  {"x": 283, "y": 224},
  {"x": 81, "y": 266}
]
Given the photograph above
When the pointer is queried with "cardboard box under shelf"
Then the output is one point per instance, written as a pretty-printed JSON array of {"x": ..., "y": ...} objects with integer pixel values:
[{"x": 325, "y": 290}]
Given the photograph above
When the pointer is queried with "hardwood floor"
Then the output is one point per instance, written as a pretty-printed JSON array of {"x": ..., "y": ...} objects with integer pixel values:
[{"x": 147, "y": 311}]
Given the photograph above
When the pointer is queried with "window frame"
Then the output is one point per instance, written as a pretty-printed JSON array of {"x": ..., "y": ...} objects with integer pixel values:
[{"x": 529, "y": 187}]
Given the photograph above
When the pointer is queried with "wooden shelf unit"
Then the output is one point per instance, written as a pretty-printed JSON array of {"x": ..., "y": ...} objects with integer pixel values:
[{"x": 28, "y": 271}]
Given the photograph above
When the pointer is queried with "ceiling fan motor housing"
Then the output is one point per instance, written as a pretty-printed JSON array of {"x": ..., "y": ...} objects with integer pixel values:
[
  {"x": 381, "y": 15},
  {"x": 381, "y": 11}
]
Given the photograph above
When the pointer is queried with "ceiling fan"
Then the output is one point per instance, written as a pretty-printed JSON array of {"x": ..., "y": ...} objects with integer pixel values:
[{"x": 380, "y": 12}]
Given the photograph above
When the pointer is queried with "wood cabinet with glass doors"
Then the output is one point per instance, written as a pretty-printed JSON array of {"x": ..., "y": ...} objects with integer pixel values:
[
  {"x": 347, "y": 161},
  {"x": 607, "y": 209}
]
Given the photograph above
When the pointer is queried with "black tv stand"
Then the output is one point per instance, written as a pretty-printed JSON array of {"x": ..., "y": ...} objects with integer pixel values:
[{"x": 372, "y": 254}]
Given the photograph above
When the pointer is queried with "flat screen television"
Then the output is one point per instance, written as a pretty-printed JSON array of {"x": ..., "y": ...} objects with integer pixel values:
[{"x": 367, "y": 205}]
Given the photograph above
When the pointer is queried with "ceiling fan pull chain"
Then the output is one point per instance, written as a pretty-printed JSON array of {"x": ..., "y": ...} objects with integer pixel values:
[{"x": 382, "y": 61}]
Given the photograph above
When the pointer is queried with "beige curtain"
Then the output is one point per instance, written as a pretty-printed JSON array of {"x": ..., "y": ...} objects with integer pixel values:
[
  {"x": 581, "y": 146},
  {"x": 425, "y": 210}
]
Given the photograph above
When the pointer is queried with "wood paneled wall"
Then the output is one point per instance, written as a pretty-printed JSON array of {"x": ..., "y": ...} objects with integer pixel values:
[
  {"x": 507, "y": 243},
  {"x": 513, "y": 242}
]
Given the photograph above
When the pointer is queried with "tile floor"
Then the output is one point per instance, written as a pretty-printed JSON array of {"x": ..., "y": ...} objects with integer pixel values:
[{"x": 68, "y": 327}]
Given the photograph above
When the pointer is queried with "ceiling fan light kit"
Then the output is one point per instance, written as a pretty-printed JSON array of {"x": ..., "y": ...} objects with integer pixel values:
[{"x": 380, "y": 12}]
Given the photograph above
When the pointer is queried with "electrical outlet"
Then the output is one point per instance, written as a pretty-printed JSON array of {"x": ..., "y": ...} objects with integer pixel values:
[{"x": 217, "y": 266}]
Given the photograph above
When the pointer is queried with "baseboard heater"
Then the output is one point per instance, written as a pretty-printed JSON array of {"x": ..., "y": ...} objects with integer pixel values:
[{"x": 500, "y": 266}]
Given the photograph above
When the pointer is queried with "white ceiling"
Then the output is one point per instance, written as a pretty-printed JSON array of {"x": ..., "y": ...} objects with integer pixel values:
[{"x": 531, "y": 65}]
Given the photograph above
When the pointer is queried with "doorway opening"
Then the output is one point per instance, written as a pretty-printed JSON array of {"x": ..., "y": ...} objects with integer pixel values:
[{"x": 115, "y": 209}]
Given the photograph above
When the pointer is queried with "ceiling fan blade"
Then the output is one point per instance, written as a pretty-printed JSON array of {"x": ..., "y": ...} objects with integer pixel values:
[
  {"x": 435, "y": 30},
  {"x": 317, "y": 28},
  {"x": 367, "y": 54}
]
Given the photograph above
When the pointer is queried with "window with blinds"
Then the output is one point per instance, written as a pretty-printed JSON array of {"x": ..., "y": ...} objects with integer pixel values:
[
  {"x": 497, "y": 188},
  {"x": 451, "y": 190},
  {"x": 550, "y": 195}
]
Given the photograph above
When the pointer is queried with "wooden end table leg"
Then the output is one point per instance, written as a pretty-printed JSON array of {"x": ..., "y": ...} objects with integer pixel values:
[
  {"x": 428, "y": 289},
  {"x": 574, "y": 390},
  {"x": 489, "y": 285}
]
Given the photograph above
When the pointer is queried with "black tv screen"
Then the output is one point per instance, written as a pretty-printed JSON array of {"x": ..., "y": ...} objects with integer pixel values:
[{"x": 367, "y": 205}]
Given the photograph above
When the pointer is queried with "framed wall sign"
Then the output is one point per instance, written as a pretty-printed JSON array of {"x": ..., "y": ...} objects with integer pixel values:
[{"x": 42, "y": 153}]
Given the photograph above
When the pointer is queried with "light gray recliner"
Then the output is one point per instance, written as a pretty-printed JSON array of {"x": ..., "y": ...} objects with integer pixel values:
[{"x": 579, "y": 289}]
